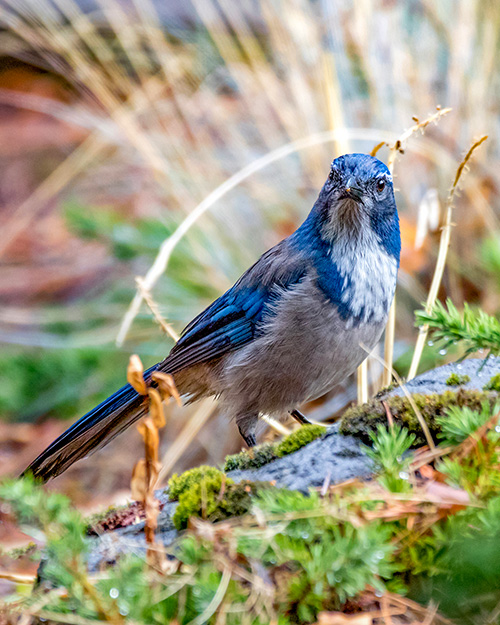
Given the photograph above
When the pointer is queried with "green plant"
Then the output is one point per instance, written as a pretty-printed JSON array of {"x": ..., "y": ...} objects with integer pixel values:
[
  {"x": 389, "y": 446},
  {"x": 474, "y": 328},
  {"x": 459, "y": 422}
]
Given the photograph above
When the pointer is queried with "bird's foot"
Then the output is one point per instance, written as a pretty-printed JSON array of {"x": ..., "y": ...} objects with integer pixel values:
[{"x": 298, "y": 416}]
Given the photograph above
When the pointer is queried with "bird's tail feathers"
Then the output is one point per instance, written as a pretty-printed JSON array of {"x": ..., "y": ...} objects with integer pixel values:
[{"x": 94, "y": 430}]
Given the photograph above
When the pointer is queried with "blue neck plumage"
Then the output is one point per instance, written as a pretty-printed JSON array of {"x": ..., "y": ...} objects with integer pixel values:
[{"x": 355, "y": 270}]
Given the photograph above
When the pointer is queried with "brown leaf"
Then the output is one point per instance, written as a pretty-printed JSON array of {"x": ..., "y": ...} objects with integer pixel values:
[
  {"x": 167, "y": 386},
  {"x": 135, "y": 375},
  {"x": 138, "y": 484},
  {"x": 149, "y": 432},
  {"x": 156, "y": 408}
]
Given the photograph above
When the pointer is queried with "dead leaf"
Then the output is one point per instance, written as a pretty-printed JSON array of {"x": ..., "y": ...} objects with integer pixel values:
[
  {"x": 138, "y": 484},
  {"x": 156, "y": 408},
  {"x": 149, "y": 432},
  {"x": 167, "y": 386},
  {"x": 135, "y": 375}
]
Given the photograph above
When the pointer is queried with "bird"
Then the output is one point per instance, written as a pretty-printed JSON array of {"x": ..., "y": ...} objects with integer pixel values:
[{"x": 295, "y": 324}]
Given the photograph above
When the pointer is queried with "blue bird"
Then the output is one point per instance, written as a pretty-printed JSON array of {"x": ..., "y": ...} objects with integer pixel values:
[{"x": 293, "y": 326}]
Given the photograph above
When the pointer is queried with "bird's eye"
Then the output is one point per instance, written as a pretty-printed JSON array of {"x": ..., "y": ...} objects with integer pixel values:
[
  {"x": 380, "y": 185},
  {"x": 331, "y": 175}
]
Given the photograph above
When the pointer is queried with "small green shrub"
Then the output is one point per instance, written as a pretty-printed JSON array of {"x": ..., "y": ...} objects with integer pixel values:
[
  {"x": 459, "y": 422},
  {"x": 389, "y": 446}
]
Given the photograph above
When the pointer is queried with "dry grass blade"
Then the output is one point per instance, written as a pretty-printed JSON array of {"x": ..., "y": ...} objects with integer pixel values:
[
  {"x": 394, "y": 150},
  {"x": 216, "y": 601},
  {"x": 18, "y": 578},
  {"x": 441, "y": 260},
  {"x": 155, "y": 309}
]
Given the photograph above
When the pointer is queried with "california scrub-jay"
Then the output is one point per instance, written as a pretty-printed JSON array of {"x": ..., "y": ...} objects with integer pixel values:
[{"x": 294, "y": 325}]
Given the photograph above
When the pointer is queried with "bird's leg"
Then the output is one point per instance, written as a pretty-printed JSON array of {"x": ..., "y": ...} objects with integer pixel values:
[
  {"x": 298, "y": 416},
  {"x": 246, "y": 425}
]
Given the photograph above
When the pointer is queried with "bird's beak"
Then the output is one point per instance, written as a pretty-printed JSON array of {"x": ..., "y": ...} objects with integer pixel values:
[{"x": 352, "y": 190}]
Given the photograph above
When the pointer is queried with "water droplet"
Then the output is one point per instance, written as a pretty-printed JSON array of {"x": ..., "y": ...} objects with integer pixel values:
[
  {"x": 379, "y": 555},
  {"x": 272, "y": 560},
  {"x": 399, "y": 458},
  {"x": 459, "y": 367},
  {"x": 124, "y": 610},
  {"x": 430, "y": 343},
  {"x": 196, "y": 591},
  {"x": 446, "y": 338},
  {"x": 497, "y": 429},
  {"x": 443, "y": 352},
  {"x": 114, "y": 593},
  {"x": 404, "y": 475},
  {"x": 305, "y": 535},
  {"x": 378, "y": 593},
  {"x": 455, "y": 342},
  {"x": 481, "y": 351}
]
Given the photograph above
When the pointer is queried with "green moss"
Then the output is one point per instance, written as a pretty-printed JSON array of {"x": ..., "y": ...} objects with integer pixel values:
[
  {"x": 263, "y": 454},
  {"x": 252, "y": 458},
  {"x": 359, "y": 421},
  {"x": 179, "y": 484},
  {"x": 216, "y": 500},
  {"x": 456, "y": 379},
  {"x": 493, "y": 384},
  {"x": 301, "y": 437}
]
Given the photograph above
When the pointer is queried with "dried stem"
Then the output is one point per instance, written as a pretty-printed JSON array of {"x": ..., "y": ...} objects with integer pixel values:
[
  {"x": 394, "y": 150},
  {"x": 441, "y": 260}
]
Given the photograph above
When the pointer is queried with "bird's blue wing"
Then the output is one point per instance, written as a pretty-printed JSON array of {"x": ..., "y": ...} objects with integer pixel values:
[{"x": 233, "y": 320}]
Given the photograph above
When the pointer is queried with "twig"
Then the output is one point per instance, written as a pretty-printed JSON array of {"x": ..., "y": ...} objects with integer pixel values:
[
  {"x": 441, "y": 261},
  {"x": 394, "y": 150},
  {"x": 154, "y": 308}
]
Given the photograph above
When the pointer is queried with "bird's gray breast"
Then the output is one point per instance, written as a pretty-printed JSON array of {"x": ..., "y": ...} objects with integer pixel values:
[{"x": 304, "y": 349}]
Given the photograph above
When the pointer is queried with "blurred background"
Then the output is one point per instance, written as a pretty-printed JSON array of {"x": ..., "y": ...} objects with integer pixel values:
[{"x": 119, "y": 118}]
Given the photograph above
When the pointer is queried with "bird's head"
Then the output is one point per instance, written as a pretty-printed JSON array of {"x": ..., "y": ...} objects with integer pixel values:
[{"x": 357, "y": 202}]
